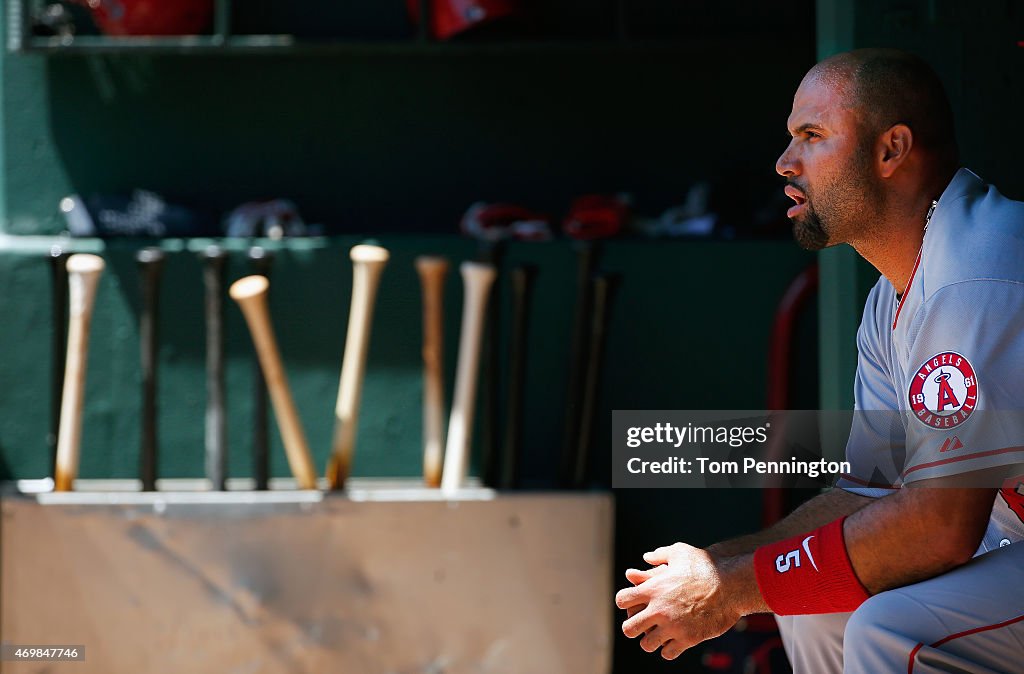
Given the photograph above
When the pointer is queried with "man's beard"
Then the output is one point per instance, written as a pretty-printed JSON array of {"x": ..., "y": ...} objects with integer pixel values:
[
  {"x": 807, "y": 230},
  {"x": 847, "y": 205}
]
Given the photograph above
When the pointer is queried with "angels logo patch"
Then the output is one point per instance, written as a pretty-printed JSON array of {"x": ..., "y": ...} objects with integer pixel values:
[{"x": 944, "y": 390}]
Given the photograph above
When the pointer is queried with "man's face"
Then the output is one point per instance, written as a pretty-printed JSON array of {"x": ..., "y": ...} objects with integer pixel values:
[{"x": 828, "y": 167}]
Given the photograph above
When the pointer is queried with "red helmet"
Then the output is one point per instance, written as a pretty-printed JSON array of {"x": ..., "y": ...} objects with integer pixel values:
[
  {"x": 150, "y": 17},
  {"x": 596, "y": 216},
  {"x": 450, "y": 17}
]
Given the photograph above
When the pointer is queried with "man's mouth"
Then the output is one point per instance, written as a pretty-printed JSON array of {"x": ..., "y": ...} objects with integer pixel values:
[{"x": 799, "y": 197}]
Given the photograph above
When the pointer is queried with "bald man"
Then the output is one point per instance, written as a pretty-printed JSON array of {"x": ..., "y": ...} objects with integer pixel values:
[{"x": 914, "y": 562}]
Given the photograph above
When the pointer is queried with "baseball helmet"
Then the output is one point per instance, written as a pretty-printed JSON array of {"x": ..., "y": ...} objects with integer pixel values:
[
  {"x": 451, "y": 17},
  {"x": 150, "y": 17},
  {"x": 596, "y": 216},
  {"x": 495, "y": 222}
]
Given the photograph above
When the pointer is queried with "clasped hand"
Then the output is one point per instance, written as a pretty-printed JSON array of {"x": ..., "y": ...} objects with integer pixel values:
[{"x": 681, "y": 601}]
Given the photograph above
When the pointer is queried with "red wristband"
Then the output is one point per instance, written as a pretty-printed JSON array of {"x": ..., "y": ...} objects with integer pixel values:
[{"x": 810, "y": 573}]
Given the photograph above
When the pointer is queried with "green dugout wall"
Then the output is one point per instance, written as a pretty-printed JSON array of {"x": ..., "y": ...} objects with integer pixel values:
[{"x": 392, "y": 142}]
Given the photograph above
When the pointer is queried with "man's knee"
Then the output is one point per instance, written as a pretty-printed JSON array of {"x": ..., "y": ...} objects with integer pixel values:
[
  {"x": 883, "y": 613},
  {"x": 889, "y": 620}
]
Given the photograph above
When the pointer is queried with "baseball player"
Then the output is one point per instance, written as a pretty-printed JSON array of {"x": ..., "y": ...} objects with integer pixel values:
[{"x": 913, "y": 563}]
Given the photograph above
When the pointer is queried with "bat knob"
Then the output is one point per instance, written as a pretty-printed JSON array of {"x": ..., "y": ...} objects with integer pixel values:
[
  {"x": 259, "y": 254},
  {"x": 214, "y": 255},
  {"x": 249, "y": 287},
  {"x": 368, "y": 253},
  {"x": 151, "y": 255},
  {"x": 431, "y": 263},
  {"x": 85, "y": 264}
]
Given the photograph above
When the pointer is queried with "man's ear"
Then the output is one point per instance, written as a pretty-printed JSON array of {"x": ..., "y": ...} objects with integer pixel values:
[{"x": 895, "y": 143}]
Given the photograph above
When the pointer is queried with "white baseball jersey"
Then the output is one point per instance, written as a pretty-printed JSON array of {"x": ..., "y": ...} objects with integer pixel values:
[{"x": 939, "y": 389}]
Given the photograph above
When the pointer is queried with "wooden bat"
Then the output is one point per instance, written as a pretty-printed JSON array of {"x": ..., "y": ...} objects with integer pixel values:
[
  {"x": 432, "y": 272},
  {"x": 523, "y": 278},
  {"x": 492, "y": 253},
  {"x": 367, "y": 264},
  {"x": 58, "y": 347},
  {"x": 477, "y": 279},
  {"x": 492, "y": 246},
  {"x": 251, "y": 294},
  {"x": 588, "y": 252},
  {"x": 216, "y": 432},
  {"x": 604, "y": 287},
  {"x": 151, "y": 261},
  {"x": 261, "y": 260},
  {"x": 83, "y": 278}
]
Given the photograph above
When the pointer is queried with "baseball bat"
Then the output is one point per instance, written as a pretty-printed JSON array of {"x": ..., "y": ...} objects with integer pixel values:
[
  {"x": 216, "y": 427},
  {"x": 604, "y": 287},
  {"x": 58, "y": 344},
  {"x": 588, "y": 253},
  {"x": 477, "y": 279},
  {"x": 83, "y": 278},
  {"x": 523, "y": 278},
  {"x": 251, "y": 295},
  {"x": 261, "y": 260},
  {"x": 367, "y": 264},
  {"x": 492, "y": 253},
  {"x": 432, "y": 272},
  {"x": 150, "y": 261}
]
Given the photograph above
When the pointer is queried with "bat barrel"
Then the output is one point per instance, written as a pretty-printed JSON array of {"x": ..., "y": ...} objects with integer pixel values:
[
  {"x": 58, "y": 344},
  {"x": 589, "y": 252},
  {"x": 493, "y": 253},
  {"x": 432, "y": 272},
  {"x": 216, "y": 442},
  {"x": 260, "y": 260},
  {"x": 604, "y": 287},
  {"x": 150, "y": 261},
  {"x": 477, "y": 279},
  {"x": 523, "y": 278},
  {"x": 368, "y": 263},
  {"x": 251, "y": 295},
  {"x": 84, "y": 273}
]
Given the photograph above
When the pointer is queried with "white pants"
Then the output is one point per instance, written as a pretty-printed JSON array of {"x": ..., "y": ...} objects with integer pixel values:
[{"x": 968, "y": 620}]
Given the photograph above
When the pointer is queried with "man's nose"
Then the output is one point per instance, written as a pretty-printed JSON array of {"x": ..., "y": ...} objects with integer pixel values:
[{"x": 786, "y": 165}]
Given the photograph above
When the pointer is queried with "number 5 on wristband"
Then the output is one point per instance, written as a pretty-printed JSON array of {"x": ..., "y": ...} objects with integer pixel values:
[{"x": 809, "y": 574}]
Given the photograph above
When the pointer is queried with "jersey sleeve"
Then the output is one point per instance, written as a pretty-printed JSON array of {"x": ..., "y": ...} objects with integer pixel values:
[
  {"x": 964, "y": 385},
  {"x": 875, "y": 449}
]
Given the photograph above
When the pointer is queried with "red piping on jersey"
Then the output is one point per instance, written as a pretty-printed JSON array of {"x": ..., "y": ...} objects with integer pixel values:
[
  {"x": 864, "y": 482},
  {"x": 964, "y": 457},
  {"x": 986, "y": 628},
  {"x": 903, "y": 297}
]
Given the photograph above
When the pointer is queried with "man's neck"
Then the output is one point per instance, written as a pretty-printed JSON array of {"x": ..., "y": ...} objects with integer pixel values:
[
  {"x": 896, "y": 242},
  {"x": 893, "y": 251}
]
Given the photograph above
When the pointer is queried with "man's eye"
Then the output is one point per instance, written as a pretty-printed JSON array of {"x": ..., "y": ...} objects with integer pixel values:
[{"x": 812, "y": 135}]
